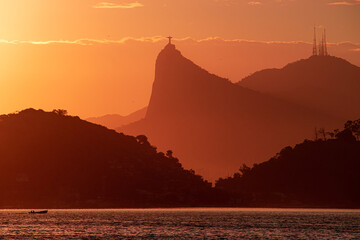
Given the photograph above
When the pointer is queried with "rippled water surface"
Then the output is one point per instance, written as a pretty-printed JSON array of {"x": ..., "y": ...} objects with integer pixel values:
[{"x": 181, "y": 224}]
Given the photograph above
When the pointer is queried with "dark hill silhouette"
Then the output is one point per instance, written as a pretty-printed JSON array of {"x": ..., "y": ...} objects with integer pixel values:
[
  {"x": 324, "y": 83},
  {"x": 321, "y": 173},
  {"x": 213, "y": 124},
  {"x": 113, "y": 121},
  {"x": 49, "y": 160}
]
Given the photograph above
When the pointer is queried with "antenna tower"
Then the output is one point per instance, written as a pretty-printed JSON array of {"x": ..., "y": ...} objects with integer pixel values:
[
  {"x": 325, "y": 44},
  {"x": 314, "y": 46},
  {"x": 321, "y": 46}
]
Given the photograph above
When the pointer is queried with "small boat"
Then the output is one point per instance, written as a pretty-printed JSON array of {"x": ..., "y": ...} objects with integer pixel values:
[{"x": 38, "y": 212}]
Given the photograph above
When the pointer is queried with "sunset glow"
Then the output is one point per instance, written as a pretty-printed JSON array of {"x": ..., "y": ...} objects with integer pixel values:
[
  {"x": 54, "y": 43},
  {"x": 179, "y": 119}
]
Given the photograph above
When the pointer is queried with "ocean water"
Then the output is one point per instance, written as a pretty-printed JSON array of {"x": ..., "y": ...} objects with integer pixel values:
[{"x": 206, "y": 223}]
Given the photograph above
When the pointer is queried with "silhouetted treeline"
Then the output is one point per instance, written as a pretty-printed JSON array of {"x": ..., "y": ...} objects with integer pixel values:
[
  {"x": 319, "y": 173},
  {"x": 50, "y": 160}
]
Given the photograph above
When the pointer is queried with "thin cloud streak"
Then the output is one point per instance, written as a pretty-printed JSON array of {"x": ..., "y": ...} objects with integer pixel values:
[
  {"x": 86, "y": 41},
  {"x": 345, "y": 3},
  {"x": 254, "y": 3},
  {"x": 118, "y": 6},
  {"x": 155, "y": 39}
]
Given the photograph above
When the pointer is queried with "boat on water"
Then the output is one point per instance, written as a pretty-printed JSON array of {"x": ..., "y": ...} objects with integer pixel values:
[{"x": 38, "y": 212}]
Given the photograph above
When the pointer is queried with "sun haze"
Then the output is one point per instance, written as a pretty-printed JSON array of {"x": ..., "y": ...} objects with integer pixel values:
[{"x": 86, "y": 56}]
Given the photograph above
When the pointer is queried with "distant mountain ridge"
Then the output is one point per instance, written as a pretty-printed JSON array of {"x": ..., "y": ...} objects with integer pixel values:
[
  {"x": 113, "y": 121},
  {"x": 214, "y": 125},
  {"x": 325, "y": 83}
]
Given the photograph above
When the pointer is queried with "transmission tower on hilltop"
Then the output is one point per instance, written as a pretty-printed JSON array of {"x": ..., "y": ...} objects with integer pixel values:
[{"x": 321, "y": 49}]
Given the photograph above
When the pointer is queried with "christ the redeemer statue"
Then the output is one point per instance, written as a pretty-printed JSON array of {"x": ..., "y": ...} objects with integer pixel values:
[{"x": 169, "y": 39}]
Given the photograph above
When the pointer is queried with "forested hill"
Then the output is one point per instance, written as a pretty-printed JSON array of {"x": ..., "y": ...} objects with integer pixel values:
[
  {"x": 50, "y": 160},
  {"x": 319, "y": 173}
]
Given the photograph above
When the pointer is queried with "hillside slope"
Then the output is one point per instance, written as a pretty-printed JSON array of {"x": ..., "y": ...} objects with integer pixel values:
[
  {"x": 325, "y": 83},
  {"x": 49, "y": 160},
  {"x": 321, "y": 173}
]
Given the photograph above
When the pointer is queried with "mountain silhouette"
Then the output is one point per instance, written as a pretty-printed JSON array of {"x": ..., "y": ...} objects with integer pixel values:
[
  {"x": 325, "y": 83},
  {"x": 214, "y": 125},
  {"x": 319, "y": 173},
  {"x": 113, "y": 121},
  {"x": 50, "y": 160}
]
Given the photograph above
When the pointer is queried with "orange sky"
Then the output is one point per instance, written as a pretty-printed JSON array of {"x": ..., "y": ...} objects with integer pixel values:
[
  {"x": 44, "y": 64},
  {"x": 265, "y": 20}
]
